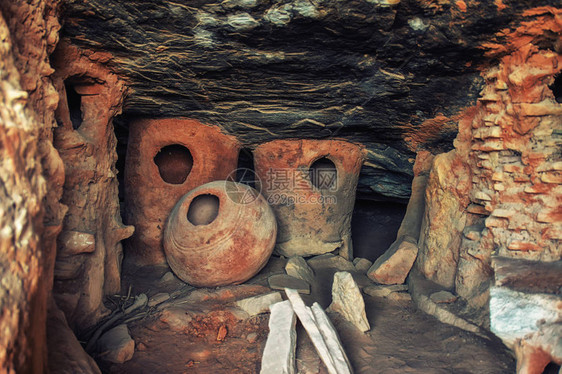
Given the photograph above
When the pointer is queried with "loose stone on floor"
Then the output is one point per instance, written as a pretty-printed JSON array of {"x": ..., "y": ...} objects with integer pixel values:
[
  {"x": 279, "y": 352},
  {"x": 282, "y": 281},
  {"x": 348, "y": 301}
]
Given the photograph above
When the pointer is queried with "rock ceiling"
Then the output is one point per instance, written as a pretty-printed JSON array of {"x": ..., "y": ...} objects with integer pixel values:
[{"x": 371, "y": 71}]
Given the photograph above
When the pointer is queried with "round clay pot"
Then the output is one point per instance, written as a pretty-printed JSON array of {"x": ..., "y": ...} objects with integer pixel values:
[{"x": 219, "y": 233}]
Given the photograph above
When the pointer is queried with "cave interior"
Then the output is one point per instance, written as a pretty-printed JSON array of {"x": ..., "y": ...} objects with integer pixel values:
[{"x": 288, "y": 186}]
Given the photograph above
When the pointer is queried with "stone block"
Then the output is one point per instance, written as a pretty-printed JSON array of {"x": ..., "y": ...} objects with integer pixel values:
[
  {"x": 116, "y": 345},
  {"x": 317, "y": 331},
  {"x": 297, "y": 267},
  {"x": 328, "y": 331},
  {"x": 395, "y": 264},
  {"x": 554, "y": 177},
  {"x": 444, "y": 219},
  {"x": 348, "y": 301},
  {"x": 259, "y": 304},
  {"x": 279, "y": 352},
  {"x": 330, "y": 261},
  {"x": 522, "y": 245},
  {"x": 515, "y": 314},
  {"x": 488, "y": 132},
  {"x": 384, "y": 290},
  {"x": 282, "y": 281},
  {"x": 443, "y": 297},
  {"x": 362, "y": 264}
]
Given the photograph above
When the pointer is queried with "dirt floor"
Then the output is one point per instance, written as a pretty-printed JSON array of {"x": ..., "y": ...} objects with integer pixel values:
[{"x": 201, "y": 331}]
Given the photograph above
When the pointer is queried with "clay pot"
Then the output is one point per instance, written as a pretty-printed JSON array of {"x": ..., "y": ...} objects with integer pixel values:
[
  {"x": 166, "y": 158},
  {"x": 220, "y": 233},
  {"x": 310, "y": 184}
]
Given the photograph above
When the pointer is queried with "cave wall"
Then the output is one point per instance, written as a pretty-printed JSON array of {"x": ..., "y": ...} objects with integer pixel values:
[
  {"x": 88, "y": 262},
  {"x": 34, "y": 187},
  {"x": 499, "y": 192},
  {"x": 31, "y": 175}
]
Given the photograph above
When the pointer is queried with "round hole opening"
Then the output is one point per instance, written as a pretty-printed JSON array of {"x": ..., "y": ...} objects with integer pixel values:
[
  {"x": 74, "y": 102},
  {"x": 203, "y": 209},
  {"x": 174, "y": 163},
  {"x": 323, "y": 174}
]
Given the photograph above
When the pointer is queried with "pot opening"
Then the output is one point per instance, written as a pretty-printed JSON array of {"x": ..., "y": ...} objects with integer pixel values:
[
  {"x": 203, "y": 209},
  {"x": 174, "y": 163},
  {"x": 324, "y": 174}
]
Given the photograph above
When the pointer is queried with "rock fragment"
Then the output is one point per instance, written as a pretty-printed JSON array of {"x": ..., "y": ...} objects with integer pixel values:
[
  {"x": 331, "y": 261},
  {"x": 282, "y": 281},
  {"x": 348, "y": 301},
  {"x": 116, "y": 345},
  {"x": 395, "y": 264},
  {"x": 298, "y": 268},
  {"x": 443, "y": 297},
  {"x": 362, "y": 264},
  {"x": 322, "y": 340},
  {"x": 384, "y": 290},
  {"x": 159, "y": 298},
  {"x": 259, "y": 304},
  {"x": 279, "y": 352},
  {"x": 332, "y": 340}
]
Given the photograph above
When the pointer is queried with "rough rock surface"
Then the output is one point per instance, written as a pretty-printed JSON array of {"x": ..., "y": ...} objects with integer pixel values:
[
  {"x": 375, "y": 72},
  {"x": 348, "y": 301},
  {"x": 446, "y": 199},
  {"x": 279, "y": 351},
  {"x": 66, "y": 355},
  {"x": 90, "y": 96},
  {"x": 31, "y": 176},
  {"x": 297, "y": 267},
  {"x": 116, "y": 345},
  {"x": 395, "y": 264},
  {"x": 282, "y": 281},
  {"x": 362, "y": 264},
  {"x": 412, "y": 221},
  {"x": 259, "y": 304}
]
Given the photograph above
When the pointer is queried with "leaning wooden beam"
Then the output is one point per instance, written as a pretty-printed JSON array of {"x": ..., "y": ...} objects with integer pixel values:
[
  {"x": 314, "y": 328},
  {"x": 279, "y": 352}
]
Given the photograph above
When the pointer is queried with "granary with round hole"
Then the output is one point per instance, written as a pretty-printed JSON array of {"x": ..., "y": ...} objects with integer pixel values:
[
  {"x": 220, "y": 233},
  {"x": 311, "y": 186},
  {"x": 166, "y": 158}
]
